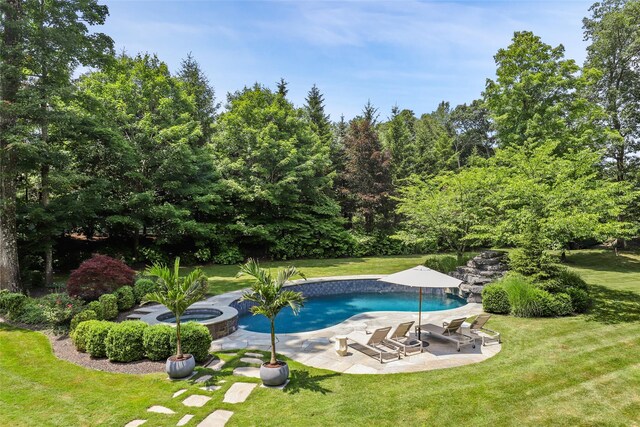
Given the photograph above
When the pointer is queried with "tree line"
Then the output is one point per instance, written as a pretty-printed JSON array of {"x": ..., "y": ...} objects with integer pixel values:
[{"x": 137, "y": 161}]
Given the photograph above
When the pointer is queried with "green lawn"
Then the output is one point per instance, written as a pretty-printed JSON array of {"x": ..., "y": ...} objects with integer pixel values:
[{"x": 569, "y": 372}]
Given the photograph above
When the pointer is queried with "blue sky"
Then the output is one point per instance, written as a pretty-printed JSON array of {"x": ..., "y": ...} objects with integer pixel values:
[{"x": 410, "y": 53}]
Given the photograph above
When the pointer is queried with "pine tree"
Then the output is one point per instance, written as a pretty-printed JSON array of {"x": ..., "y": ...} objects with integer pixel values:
[
  {"x": 197, "y": 85},
  {"x": 283, "y": 90},
  {"x": 314, "y": 110}
]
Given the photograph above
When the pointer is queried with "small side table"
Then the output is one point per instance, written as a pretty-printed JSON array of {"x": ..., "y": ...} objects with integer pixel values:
[{"x": 341, "y": 345}]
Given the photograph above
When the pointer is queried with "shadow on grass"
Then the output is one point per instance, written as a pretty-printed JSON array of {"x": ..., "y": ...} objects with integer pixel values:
[
  {"x": 614, "y": 306},
  {"x": 302, "y": 380}
]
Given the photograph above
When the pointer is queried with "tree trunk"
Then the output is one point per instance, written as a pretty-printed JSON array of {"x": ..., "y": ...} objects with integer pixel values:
[
  {"x": 273, "y": 343},
  {"x": 44, "y": 200},
  {"x": 178, "y": 339},
  {"x": 10, "y": 79}
]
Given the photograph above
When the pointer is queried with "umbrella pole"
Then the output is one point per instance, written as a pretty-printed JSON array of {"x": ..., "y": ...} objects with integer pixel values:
[{"x": 420, "y": 316}]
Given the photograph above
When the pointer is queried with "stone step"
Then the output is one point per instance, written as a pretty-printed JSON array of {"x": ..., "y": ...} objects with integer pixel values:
[
  {"x": 135, "y": 316},
  {"x": 196, "y": 400},
  {"x": 184, "y": 420},
  {"x": 135, "y": 423},
  {"x": 160, "y": 410},
  {"x": 238, "y": 392},
  {"x": 247, "y": 371},
  {"x": 216, "y": 419},
  {"x": 487, "y": 261},
  {"x": 492, "y": 254}
]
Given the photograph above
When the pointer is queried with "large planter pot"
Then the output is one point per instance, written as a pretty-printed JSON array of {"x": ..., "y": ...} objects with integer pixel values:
[
  {"x": 180, "y": 368},
  {"x": 274, "y": 376}
]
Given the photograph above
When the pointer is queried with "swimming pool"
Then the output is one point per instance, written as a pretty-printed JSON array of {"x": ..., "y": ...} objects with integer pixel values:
[{"x": 323, "y": 311}]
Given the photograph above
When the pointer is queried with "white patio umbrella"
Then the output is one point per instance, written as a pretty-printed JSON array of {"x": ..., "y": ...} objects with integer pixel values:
[{"x": 422, "y": 277}]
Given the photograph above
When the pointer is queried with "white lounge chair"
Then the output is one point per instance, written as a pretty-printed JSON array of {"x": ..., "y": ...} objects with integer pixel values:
[
  {"x": 400, "y": 339},
  {"x": 451, "y": 333},
  {"x": 376, "y": 347}
]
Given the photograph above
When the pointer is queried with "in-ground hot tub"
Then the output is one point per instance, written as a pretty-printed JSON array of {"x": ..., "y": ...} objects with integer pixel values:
[{"x": 220, "y": 320}]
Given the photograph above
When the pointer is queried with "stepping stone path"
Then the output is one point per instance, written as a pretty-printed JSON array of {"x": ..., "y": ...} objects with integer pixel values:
[
  {"x": 211, "y": 388},
  {"x": 135, "y": 423},
  {"x": 279, "y": 387},
  {"x": 179, "y": 392},
  {"x": 215, "y": 364},
  {"x": 184, "y": 420},
  {"x": 216, "y": 419},
  {"x": 238, "y": 392},
  {"x": 251, "y": 360},
  {"x": 160, "y": 410},
  {"x": 203, "y": 379},
  {"x": 196, "y": 400},
  {"x": 256, "y": 355},
  {"x": 247, "y": 371}
]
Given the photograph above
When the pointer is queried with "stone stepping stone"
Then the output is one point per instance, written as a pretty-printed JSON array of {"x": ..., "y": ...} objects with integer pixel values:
[
  {"x": 203, "y": 379},
  {"x": 216, "y": 419},
  {"x": 251, "y": 360},
  {"x": 247, "y": 371},
  {"x": 211, "y": 388},
  {"x": 135, "y": 423},
  {"x": 184, "y": 420},
  {"x": 256, "y": 355},
  {"x": 238, "y": 392},
  {"x": 196, "y": 400},
  {"x": 160, "y": 410},
  {"x": 277, "y": 387},
  {"x": 179, "y": 392},
  {"x": 230, "y": 354},
  {"x": 215, "y": 364}
]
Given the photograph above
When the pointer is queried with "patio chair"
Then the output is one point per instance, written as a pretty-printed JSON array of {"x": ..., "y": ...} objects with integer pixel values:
[
  {"x": 451, "y": 333},
  {"x": 477, "y": 328},
  {"x": 376, "y": 347},
  {"x": 400, "y": 339}
]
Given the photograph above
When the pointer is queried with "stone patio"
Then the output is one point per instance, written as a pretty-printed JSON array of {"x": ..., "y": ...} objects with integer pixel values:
[{"x": 316, "y": 348}]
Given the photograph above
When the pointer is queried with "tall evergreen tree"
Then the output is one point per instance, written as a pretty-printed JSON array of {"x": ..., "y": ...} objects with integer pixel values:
[
  {"x": 314, "y": 109},
  {"x": 197, "y": 85},
  {"x": 399, "y": 139},
  {"x": 283, "y": 89}
]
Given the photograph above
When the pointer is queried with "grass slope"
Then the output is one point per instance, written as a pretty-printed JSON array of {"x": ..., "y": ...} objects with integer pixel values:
[{"x": 577, "y": 371}]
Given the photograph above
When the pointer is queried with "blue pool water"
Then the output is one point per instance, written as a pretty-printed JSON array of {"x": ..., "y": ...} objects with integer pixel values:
[{"x": 324, "y": 311}]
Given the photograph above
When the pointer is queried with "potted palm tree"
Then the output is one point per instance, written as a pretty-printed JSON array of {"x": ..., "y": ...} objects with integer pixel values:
[
  {"x": 177, "y": 294},
  {"x": 269, "y": 298}
]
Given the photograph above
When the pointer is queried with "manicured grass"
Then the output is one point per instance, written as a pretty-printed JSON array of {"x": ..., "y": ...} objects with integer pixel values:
[{"x": 576, "y": 371}]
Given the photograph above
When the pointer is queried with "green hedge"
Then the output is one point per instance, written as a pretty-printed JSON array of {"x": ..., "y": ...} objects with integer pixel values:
[
  {"x": 95, "y": 337},
  {"x": 196, "y": 340},
  {"x": 12, "y": 303},
  {"x": 123, "y": 342},
  {"x": 157, "y": 341},
  {"x": 79, "y": 334},
  {"x": 495, "y": 300},
  {"x": 109, "y": 306},
  {"x": 143, "y": 287},
  {"x": 81, "y": 317},
  {"x": 126, "y": 298}
]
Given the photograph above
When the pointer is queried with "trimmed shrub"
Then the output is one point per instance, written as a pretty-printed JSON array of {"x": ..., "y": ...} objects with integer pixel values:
[
  {"x": 143, "y": 287},
  {"x": 96, "y": 307},
  {"x": 12, "y": 303},
  {"x": 109, "y": 306},
  {"x": 79, "y": 334},
  {"x": 196, "y": 340},
  {"x": 580, "y": 299},
  {"x": 95, "y": 337},
  {"x": 157, "y": 341},
  {"x": 124, "y": 341},
  {"x": 550, "y": 305},
  {"x": 82, "y": 317},
  {"x": 97, "y": 276},
  {"x": 495, "y": 300},
  {"x": 126, "y": 299},
  {"x": 570, "y": 279}
]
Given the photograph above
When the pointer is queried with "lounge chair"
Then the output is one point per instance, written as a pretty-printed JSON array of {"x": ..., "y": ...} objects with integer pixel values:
[
  {"x": 376, "y": 346},
  {"x": 400, "y": 339},
  {"x": 451, "y": 332},
  {"x": 477, "y": 328}
]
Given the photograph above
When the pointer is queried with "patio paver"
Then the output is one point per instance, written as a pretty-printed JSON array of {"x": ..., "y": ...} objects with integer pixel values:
[
  {"x": 247, "y": 371},
  {"x": 238, "y": 392},
  {"x": 196, "y": 400},
  {"x": 160, "y": 410},
  {"x": 179, "y": 392},
  {"x": 216, "y": 419},
  {"x": 135, "y": 423},
  {"x": 251, "y": 360},
  {"x": 184, "y": 420}
]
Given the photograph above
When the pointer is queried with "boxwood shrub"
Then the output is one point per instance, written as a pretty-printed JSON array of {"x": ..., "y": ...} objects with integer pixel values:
[
  {"x": 79, "y": 334},
  {"x": 553, "y": 305},
  {"x": 109, "y": 304},
  {"x": 96, "y": 307},
  {"x": 196, "y": 340},
  {"x": 124, "y": 341},
  {"x": 95, "y": 337},
  {"x": 495, "y": 299},
  {"x": 157, "y": 341},
  {"x": 81, "y": 317},
  {"x": 126, "y": 299},
  {"x": 11, "y": 303},
  {"x": 143, "y": 287}
]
